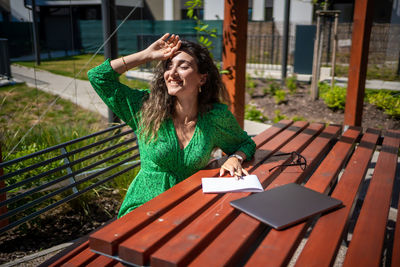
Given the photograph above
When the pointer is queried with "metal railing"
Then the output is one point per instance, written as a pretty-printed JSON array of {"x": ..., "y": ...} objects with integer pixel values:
[{"x": 34, "y": 185}]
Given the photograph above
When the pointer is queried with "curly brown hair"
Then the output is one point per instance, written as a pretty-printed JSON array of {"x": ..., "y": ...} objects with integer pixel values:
[{"x": 160, "y": 105}]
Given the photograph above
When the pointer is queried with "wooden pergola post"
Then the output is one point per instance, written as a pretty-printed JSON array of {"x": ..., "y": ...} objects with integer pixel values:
[
  {"x": 358, "y": 62},
  {"x": 234, "y": 54}
]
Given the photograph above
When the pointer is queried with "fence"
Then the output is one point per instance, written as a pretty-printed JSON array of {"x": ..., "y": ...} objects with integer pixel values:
[{"x": 264, "y": 44}]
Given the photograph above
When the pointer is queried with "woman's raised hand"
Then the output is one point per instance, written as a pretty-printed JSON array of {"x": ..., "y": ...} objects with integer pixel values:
[
  {"x": 164, "y": 47},
  {"x": 161, "y": 49}
]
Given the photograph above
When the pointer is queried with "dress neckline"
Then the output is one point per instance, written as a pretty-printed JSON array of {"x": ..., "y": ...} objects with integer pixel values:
[{"x": 176, "y": 134}]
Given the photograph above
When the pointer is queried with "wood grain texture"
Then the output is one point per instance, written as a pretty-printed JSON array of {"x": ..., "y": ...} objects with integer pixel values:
[
  {"x": 327, "y": 234},
  {"x": 366, "y": 245}
]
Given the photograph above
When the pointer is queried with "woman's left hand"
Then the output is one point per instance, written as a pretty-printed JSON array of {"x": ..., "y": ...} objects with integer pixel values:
[{"x": 234, "y": 167}]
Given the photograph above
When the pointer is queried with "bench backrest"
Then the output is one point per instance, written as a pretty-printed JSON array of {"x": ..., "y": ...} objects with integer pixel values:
[{"x": 38, "y": 182}]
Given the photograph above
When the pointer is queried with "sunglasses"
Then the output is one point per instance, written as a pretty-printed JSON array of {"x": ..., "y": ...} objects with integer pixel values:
[{"x": 295, "y": 160}]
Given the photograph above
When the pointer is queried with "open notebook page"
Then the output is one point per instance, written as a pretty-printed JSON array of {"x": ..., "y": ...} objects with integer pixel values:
[{"x": 249, "y": 183}]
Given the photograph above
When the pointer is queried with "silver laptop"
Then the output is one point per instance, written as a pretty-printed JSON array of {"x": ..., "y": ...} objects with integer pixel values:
[{"x": 285, "y": 205}]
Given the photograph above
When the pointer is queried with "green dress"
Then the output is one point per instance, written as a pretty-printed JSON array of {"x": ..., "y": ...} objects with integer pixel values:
[{"x": 163, "y": 162}]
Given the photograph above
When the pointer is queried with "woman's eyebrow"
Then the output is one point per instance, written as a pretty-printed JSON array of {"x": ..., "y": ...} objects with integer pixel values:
[{"x": 181, "y": 61}]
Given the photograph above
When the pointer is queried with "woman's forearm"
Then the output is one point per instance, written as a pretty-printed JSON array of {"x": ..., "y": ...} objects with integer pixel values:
[{"x": 131, "y": 61}]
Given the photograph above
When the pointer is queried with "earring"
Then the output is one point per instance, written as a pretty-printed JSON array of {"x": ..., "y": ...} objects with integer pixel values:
[{"x": 200, "y": 89}]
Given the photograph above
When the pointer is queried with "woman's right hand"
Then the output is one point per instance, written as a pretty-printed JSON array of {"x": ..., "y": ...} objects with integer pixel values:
[
  {"x": 161, "y": 49},
  {"x": 164, "y": 47}
]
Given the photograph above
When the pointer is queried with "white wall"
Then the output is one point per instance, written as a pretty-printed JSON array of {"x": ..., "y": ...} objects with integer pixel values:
[
  {"x": 300, "y": 11},
  {"x": 168, "y": 9},
  {"x": 19, "y": 11},
  {"x": 213, "y": 9},
  {"x": 258, "y": 13}
]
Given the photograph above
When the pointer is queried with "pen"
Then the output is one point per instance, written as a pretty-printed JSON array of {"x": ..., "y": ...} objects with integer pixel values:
[{"x": 238, "y": 176}]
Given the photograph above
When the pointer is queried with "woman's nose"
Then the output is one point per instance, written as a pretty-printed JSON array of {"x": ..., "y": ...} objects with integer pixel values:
[{"x": 173, "y": 71}]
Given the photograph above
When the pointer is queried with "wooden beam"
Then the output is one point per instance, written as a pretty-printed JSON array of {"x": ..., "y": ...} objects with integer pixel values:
[
  {"x": 234, "y": 54},
  {"x": 358, "y": 62}
]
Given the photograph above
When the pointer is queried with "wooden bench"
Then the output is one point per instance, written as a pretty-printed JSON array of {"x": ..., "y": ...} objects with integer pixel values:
[
  {"x": 183, "y": 226},
  {"x": 41, "y": 181}
]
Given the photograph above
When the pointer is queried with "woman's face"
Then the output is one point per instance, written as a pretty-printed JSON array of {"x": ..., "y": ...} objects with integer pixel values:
[{"x": 182, "y": 77}]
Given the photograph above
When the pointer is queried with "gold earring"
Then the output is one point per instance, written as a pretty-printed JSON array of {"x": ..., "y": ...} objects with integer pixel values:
[{"x": 200, "y": 89}]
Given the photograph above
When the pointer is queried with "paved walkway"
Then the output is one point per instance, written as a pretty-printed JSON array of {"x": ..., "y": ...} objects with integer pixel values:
[
  {"x": 82, "y": 93},
  {"x": 74, "y": 90}
]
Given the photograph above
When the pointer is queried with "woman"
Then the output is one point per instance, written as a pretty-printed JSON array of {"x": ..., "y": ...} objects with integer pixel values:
[{"x": 178, "y": 122}]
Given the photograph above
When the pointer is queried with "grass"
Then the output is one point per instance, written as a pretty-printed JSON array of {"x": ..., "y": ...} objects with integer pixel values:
[
  {"x": 71, "y": 66},
  {"x": 20, "y": 109}
]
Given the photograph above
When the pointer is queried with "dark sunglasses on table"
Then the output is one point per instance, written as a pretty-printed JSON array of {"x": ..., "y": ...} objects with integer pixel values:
[{"x": 295, "y": 160}]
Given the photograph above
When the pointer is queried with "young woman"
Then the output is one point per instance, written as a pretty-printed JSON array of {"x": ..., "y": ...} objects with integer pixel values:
[{"x": 178, "y": 122}]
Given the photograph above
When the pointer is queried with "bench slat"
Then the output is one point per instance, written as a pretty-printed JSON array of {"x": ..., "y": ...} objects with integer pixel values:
[
  {"x": 137, "y": 248},
  {"x": 82, "y": 259},
  {"x": 107, "y": 239},
  {"x": 70, "y": 255},
  {"x": 249, "y": 227},
  {"x": 396, "y": 243},
  {"x": 328, "y": 233},
  {"x": 181, "y": 249},
  {"x": 278, "y": 246},
  {"x": 367, "y": 242},
  {"x": 102, "y": 261}
]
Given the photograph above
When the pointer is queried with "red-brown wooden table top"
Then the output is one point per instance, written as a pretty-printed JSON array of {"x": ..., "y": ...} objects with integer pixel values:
[{"x": 183, "y": 226}]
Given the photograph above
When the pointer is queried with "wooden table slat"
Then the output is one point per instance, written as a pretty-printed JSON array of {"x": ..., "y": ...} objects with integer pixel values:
[
  {"x": 327, "y": 235},
  {"x": 186, "y": 244},
  {"x": 218, "y": 249},
  {"x": 263, "y": 137},
  {"x": 138, "y": 247},
  {"x": 367, "y": 241},
  {"x": 107, "y": 239},
  {"x": 278, "y": 246}
]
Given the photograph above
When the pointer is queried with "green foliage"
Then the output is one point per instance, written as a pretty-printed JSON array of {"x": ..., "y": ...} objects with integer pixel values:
[
  {"x": 291, "y": 84},
  {"x": 278, "y": 116},
  {"x": 250, "y": 83},
  {"x": 205, "y": 34},
  {"x": 273, "y": 87},
  {"x": 387, "y": 101},
  {"x": 298, "y": 118},
  {"x": 253, "y": 114},
  {"x": 66, "y": 121},
  {"x": 334, "y": 98},
  {"x": 280, "y": 96}
]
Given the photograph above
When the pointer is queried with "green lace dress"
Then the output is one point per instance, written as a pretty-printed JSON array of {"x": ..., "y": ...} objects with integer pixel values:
[{"x": 163, "y": 162}]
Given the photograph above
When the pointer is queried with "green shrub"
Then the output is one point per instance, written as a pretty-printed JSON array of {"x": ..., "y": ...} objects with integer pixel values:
[
  {"x": 250, "y": 83},
  {"x": 278, "y": 116},
  {"x": 280, "y": 96},
  {"x": 291, "y": 84},
  {"x": 334, "y": 98},
  {"x": 387, "y": 101},
  {"x": 253, "y": 114},
  {"x": 273, "y": 87},
  {"x": 298, "y": 118}
]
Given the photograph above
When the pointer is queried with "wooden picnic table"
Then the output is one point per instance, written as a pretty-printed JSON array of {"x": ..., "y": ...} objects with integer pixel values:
[{"x": 183, "y": 226}]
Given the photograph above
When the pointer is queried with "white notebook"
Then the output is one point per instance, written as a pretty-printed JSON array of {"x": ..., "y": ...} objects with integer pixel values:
[{"x": 248, "y": 183}]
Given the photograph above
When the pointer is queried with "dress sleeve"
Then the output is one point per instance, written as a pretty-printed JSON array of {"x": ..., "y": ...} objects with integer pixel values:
[
  {"x": 124, "y": 101},
  {"x": 229, "y": 136}
]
